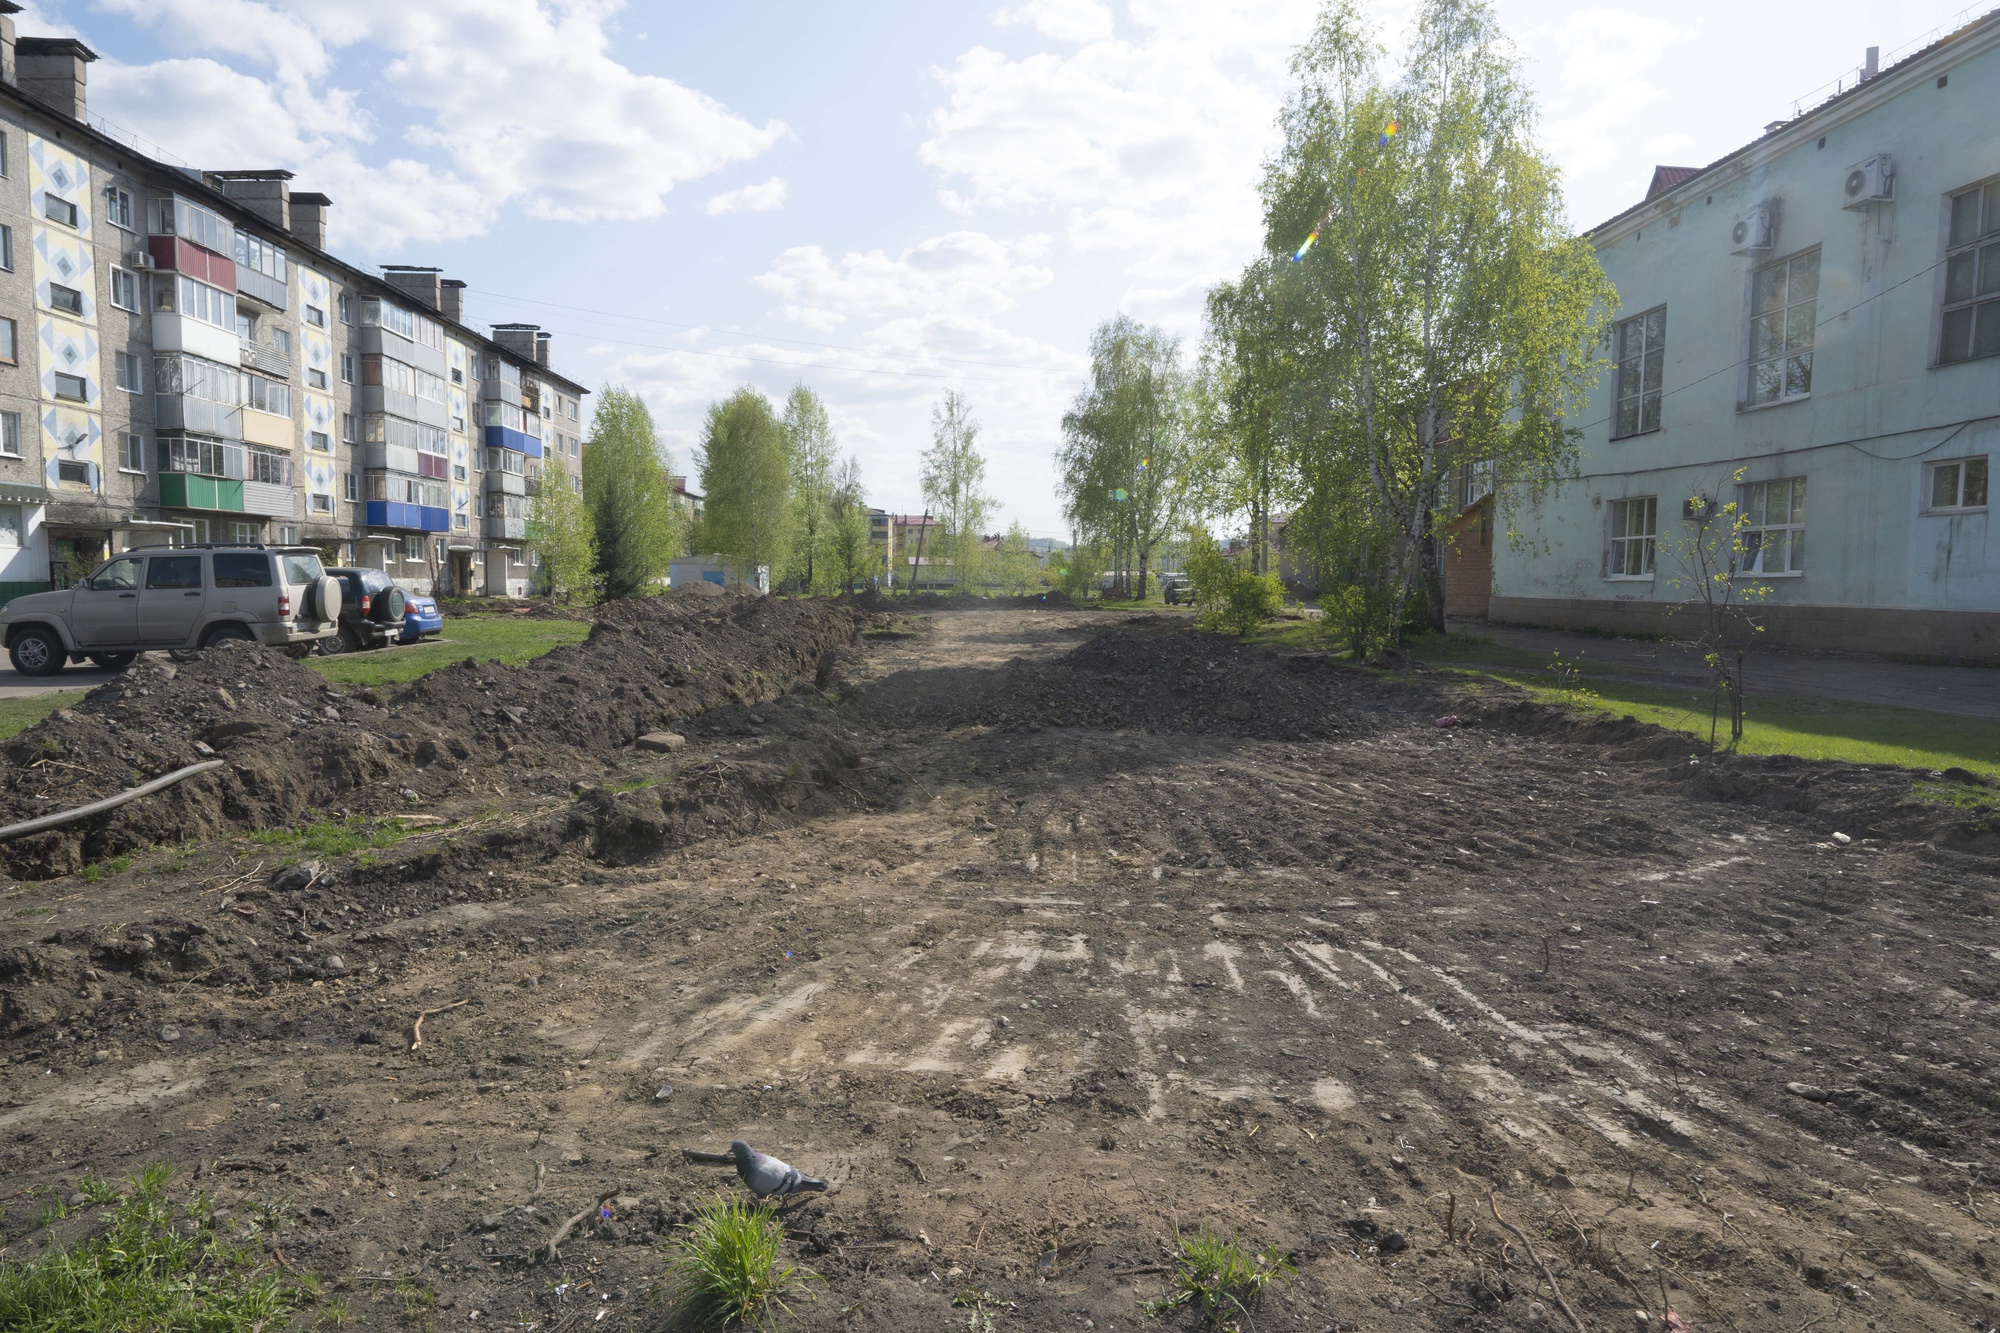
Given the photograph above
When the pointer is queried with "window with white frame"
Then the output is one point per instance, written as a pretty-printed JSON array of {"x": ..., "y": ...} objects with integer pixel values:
[
  {"x": 133, "y": 452},
  {"x": 1957, "y": 484},
  {"x": 129, "y": 378},
  {"x": 347, "y": 367},
  {"x": 1784, "y": 310},
  {"x": 124, "y": 289},
  {"x": 4, "y": 168},
  {"x": 322, "y": 502},
  {"x": 350, "y": 428},
  {"x": 288, "y": 536},
  {"x": 10, "y": 434},
  {"x": 118, "y": 207},
  {"x": 10, "y": 351},
  {"x": 1971, "y": 318},
  {"x": 346, "y": 309},
  {"x": 265, "y": 395},
  {"x": 353, "y": 489},
  {"x": 1634, "y": 537},
  {"x": 196, "y": 300},
  {"x": 459, "y": 522},
  {"x": 413, "y": 548},
  {"x": 1773, "y": 536},
  {"x": 7, "y": 248}
]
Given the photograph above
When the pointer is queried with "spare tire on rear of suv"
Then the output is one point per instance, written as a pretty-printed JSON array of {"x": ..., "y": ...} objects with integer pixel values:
[
  {"x": 323, "y": 598},
  {"x": 392, "y": 604}
]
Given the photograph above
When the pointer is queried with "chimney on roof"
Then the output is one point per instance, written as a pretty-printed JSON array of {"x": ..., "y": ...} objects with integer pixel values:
[
  {"x": 8, "y": 9},
  {"x": 421, "y": 284},
  {"x": 1872, "y": 65},
  {"x": 517, "y": 338},
  {"x": 268, "y": 194},
  {"x": 452, "y": 293},
  {"x": 541, "y": 349},
  {"x": 309, "y": 218},
  {"x": 51, "y": 70}
]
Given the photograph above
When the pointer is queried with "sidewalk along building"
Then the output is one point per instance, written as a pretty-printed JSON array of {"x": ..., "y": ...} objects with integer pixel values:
[
  {"x": 1809, "y": 328},
  {"x": 181, "y": 360}
]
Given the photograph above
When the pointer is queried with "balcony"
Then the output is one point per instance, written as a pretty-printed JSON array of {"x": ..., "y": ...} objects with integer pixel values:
[
  {"x": 265, "y": 358},
  {"x": 505, "y": 483},
  {"x": 409, "y": 517},
  {"x": 175, "y": 411},
  {"x": 181, "y": 490},
  {"x": 260, "y": 287},
  {"x": 506, "y": 437},
  {"x": 507, "y": 529}
]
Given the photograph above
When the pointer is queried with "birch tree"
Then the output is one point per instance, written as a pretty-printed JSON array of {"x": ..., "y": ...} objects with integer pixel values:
[
  {"x": 954, "y": 482},
  {"x": 747, "y": 480},
  {"x": 811, "y": 449}
]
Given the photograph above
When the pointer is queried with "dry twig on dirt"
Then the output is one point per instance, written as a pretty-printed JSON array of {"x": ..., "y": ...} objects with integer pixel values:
[
  {"x": 1547, "y": 1276},
  {"x": 417, "y": 1028}
]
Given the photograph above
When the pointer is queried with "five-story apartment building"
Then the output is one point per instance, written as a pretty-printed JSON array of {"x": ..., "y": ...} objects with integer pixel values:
[{"x": 182, "y": 360}]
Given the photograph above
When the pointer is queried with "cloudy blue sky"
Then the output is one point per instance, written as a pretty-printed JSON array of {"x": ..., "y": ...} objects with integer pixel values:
[{"x": 881, "y": 199}]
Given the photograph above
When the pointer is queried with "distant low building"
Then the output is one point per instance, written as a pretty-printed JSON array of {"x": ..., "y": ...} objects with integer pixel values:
[
  {"x": 721, "y": 572},
  {"x": 687, "y": 503}
]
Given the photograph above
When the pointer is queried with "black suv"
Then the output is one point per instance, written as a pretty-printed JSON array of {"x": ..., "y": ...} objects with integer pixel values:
[{"x": 371, "y": 612}]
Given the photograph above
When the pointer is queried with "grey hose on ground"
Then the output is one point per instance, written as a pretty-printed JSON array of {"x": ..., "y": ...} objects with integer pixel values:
[{"x": 108, "y": 803}]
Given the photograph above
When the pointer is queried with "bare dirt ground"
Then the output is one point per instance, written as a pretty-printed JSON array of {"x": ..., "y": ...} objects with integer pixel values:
[{"x": 1043, "y": 935}]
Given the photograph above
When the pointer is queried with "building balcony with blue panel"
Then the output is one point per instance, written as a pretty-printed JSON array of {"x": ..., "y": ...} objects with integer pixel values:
[
  {"x": 408, "y": 517},
  {"x": 506, "y": 437}
]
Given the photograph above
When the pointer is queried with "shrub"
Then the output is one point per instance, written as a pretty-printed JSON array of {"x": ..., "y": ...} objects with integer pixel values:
[
  {"x": 1219, "y": 1278},
  {"x": 1231, "y": 599}
]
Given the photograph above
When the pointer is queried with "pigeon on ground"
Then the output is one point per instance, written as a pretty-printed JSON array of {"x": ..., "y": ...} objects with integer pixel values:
[{"x": 765, "y": 1175}]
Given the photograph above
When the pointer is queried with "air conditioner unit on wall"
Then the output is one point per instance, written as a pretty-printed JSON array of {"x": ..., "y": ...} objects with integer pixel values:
[
  {"x": 1870, "y": 182},
  {"x": 1751, "y": 233},
  {"x": 139, "y": 259}
]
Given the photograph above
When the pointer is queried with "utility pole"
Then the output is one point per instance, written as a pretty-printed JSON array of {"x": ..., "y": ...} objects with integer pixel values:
[{"x": 917, "y": 569}]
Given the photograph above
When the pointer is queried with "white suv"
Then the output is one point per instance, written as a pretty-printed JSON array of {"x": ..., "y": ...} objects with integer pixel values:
[{"x": 175, "y": 597}]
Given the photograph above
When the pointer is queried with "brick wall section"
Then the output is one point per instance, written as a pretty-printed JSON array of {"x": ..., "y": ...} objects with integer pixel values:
[
  {"x": 1468, "y": 562},
  {"x": 1943, "y": 636}
]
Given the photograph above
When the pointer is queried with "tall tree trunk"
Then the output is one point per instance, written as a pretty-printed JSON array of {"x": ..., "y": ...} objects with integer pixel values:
[
  {"x": 1142, "y": 573},
  {"x": 1431, "y": 561}
]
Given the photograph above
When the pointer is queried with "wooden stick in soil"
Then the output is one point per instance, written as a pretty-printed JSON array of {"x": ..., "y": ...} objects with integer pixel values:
[
  {"x": 562, "y": 1232},
  {"x": 417, "y": 1028},
  {"x": 1547, "y": 1276}
]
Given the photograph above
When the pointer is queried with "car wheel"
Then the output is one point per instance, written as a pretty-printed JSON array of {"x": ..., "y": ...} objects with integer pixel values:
[
  {"x": 37, "y": 652},
  {"x": 229, "y": 629},
  {"x": 113, "y": 661},
  {"x": 393, "y": 605}
]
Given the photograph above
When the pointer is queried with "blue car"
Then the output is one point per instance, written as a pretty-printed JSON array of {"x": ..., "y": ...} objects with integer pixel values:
[{"x": 421, "y": 618}]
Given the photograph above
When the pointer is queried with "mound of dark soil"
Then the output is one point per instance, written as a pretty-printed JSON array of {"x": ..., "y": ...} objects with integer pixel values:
[
  {"x": 1053, "y": 600},
  {"x": 297, "y": 745}
]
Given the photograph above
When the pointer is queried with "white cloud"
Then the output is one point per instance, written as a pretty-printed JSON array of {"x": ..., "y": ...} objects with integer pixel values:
[
  {"x": 965, "y": 273},
  {"x": 1150, "y": 144},
  {"x": 466, "y": 83},
  {"x": 1064, "y": 20},
  {"x": 752, "y": 198},
  {"x": 1597, "y": 96}
]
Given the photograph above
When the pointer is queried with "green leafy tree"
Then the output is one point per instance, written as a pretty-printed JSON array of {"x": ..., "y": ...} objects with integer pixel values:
[
  {"x": 1249, "y": 400},
  {"x": 632, "y": 510},
  {"x": 561, "y": 534},
  {"x": 1444, "y": 317},
  {"x": 1015, "y": 566},
  {"x": 849, "y": 551},
  {"x": 1075, "y": 571},
  {"x": 954, "y": 482},
  {"x": 746, "y": 476},
  {"x": 1125, "y": 456},
  {"x": 811, "y": 449},
  {"x": 1229, "y": 597}
]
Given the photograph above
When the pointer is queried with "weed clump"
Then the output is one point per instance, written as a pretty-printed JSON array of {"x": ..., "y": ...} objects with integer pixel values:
[
  {"x": 726, "y": 1269},
  {"x": 160, "y": 1263},
  {"x": 1220, "y": 1279}
]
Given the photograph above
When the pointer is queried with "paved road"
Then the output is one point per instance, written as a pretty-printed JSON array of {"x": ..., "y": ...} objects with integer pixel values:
[
  {"x": 1964, "y": 691},
  {"x": 14, "y": 685}
]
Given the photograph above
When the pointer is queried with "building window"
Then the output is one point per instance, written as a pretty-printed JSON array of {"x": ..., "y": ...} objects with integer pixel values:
[
  {"x": 346, "y": 309},
  {"x": 458, "y": 472},
  {"x": 288, "y": 536},
  {"x": 10, "y": 434},
  {"x": 413, "y": 548},
  {"x": 1773, "y": 538},
  {"x": 9, "y": 350},
  {"x": 66, "y": 299},
  {"x": 353, "y": 489},
  {"x": 457, "y": 375},
  {"x": 1959, "y": 484},
  {"x": 4, "y": 168},
  {"x": 1784, "y": 308},
  {"x": 347, "y": 367},
  {"x": 1972, "y": 277},
  {"x": 73, "y": 472},
  {"x": 281, "y": 340},
  {"x": 118, "y": 207},
  {"x": 1633, "y": 537},
  {"x": 197, "y": 300},
  {"x": 315, "y": 317},
  {"x": 319, "y": 441},
  {"x": 128, "y": 373},
  {"x": 322, "y": 503},
  {"x": 7, "y": 248},
  {"x": 13, "y": 530},
  {"x": 315, "y": 379},
  {"x": 133, "y": 458},
  {"x": 350, "y": 429},
  {"x": 124, "y": 289},
  {"x": 459, "y": 522},
  {"x": 267, "y": 395},
  {"x": 58, "y": 210},
  {"x": 73, "y": 387}
]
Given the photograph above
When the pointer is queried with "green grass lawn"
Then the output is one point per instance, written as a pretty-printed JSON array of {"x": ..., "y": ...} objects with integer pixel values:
[
  {"x": 510, "y": 638},
  {"x": 17, "y": 715},
  {"x": 1784, "y": 724}
]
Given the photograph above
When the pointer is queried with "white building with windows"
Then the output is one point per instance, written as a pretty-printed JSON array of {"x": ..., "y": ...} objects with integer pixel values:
[{"x": 1809, "y": 327}]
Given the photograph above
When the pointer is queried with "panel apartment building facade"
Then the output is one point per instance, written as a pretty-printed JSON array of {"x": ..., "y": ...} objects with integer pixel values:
[
  {"x": 181, "y": 360},
  {"x": 1809, "y": 327}
]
